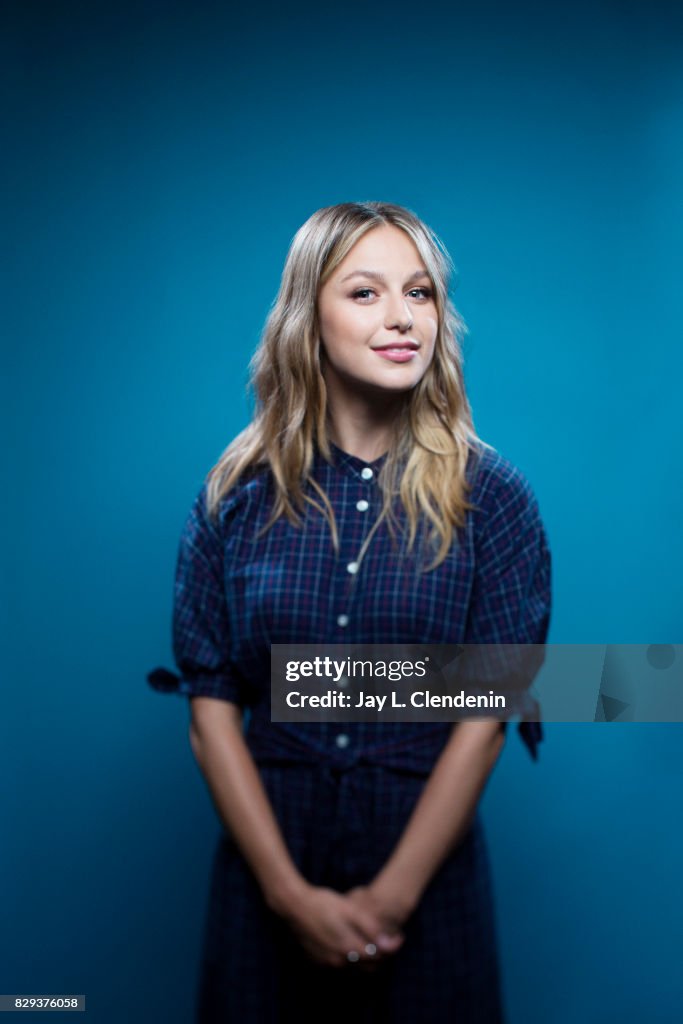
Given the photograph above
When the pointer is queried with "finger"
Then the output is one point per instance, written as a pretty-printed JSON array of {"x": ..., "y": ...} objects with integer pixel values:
[
  {"x": 377, "y": 929},
  {"x": 324, "y": 957},
  {"x": 338, "y": 937},
  {"x": 372, "y": 956},
  {"x": 366, "y": 957},
  {"x": 367, "y": 924},
  {"x": 382, "y": 943},
  {"x": 366, "y": 949},
  {"x": 389, "y": 943}
]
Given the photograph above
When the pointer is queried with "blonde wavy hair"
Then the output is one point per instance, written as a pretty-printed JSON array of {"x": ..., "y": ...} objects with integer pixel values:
[{"x": 433, "y": 434}]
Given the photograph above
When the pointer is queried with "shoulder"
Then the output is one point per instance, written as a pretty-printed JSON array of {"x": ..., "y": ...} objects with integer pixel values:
[
  {"x": 500, "y": 490},
  {"x": 246, "y": 496}
]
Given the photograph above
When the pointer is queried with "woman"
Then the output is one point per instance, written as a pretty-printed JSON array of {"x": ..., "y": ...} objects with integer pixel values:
[{"x": 359, "y": 506}]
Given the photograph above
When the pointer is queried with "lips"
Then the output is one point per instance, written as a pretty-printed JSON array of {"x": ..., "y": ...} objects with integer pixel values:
[{"x": 401, "y": 345}]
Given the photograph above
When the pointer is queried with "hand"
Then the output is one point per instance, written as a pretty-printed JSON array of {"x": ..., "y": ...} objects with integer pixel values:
[
  {"x": 330, "y": 924},
  {"x": 390, "y": 910}
]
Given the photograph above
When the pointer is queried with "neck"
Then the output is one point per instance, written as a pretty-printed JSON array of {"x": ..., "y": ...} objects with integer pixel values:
[{"x": 363, "y": 427}]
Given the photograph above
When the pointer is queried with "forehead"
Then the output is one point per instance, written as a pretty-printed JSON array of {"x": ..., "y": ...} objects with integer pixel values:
[{"x": 382, "y": 249}]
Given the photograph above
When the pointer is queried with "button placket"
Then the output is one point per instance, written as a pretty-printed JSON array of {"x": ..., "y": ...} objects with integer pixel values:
[
  {"x": 364, "y": 476},
  {"x": 367, "y": 475}
]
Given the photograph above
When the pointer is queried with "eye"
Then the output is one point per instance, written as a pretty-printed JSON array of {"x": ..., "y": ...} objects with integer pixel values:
[{"x": 362, "y": 293}]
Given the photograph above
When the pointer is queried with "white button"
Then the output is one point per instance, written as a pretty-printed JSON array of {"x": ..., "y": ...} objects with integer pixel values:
[
  {"x": 366, "y": 473},
  {"x": 342, "y": 620},
  {"x": 352, "y": 567},
  {"x": 342, "y": 740},
  {"x": 362, "y": 505}
]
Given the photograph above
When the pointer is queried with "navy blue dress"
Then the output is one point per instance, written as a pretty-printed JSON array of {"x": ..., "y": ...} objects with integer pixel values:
[{"x": 342, "y": 793}]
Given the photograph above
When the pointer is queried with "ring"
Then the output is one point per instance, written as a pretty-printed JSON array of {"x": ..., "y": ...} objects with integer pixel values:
[
  {"x": 352, "y": 956},
  {"x": 371, "y": 949}
]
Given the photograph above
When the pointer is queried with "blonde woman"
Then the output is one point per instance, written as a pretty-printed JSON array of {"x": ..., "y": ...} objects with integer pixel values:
[{"x": 351, "y": 879}]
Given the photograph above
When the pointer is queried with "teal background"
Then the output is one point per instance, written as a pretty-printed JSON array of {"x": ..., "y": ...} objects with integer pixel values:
[{"x": 158, "y": 160}]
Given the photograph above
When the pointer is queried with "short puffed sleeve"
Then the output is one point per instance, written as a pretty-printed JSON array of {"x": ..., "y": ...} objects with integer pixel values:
[
  {"x": 510, "y": 602},
  {"x": 201, "y": 627}
]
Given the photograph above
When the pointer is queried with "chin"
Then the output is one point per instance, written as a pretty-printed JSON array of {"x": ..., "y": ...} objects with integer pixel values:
[{"x": 395, "y": 382}]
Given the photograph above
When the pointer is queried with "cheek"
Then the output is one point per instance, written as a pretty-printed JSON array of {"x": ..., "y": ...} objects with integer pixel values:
[
  {"x": 341, "y": 329},
  {"x": 433, "y": 326},
  {"x": 430, "y": 329}
]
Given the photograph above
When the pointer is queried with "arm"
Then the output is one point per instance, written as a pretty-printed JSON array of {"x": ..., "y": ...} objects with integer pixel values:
[
  {"x": 439, "y": 821},
  {"x": 327, "y": 923},
  {"x": 510, "y": 604},
  {"x": 240, "y": 799}
]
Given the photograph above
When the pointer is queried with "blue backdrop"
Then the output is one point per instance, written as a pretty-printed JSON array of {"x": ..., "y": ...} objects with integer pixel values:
[{"x": 159, "y": 160}]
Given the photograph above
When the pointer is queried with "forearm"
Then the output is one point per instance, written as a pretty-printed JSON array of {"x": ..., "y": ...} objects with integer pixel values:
[
  {"x": 444, "y": 812},
  {"x": 241, "y": 800}
]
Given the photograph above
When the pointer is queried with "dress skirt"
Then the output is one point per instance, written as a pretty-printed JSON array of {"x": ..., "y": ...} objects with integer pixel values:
[{"x": 340, "y": 826}]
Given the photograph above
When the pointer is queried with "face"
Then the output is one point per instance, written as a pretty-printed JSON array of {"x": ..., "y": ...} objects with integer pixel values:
[{"x": 378, "y": 318}]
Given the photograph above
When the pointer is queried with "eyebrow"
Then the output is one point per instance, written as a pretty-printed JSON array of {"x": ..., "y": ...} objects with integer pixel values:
[{"x": 374, "y": 275}]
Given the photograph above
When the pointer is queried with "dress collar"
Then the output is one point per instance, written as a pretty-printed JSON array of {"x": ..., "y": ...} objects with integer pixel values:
[{"x": 352, "y": 465}]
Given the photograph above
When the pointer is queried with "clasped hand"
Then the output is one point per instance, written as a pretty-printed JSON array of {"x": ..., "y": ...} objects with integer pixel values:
[{"x": 366, "y": 920}]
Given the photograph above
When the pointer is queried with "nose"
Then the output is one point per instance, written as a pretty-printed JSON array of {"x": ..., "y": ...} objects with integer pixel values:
[{"x": 398, "y": 314}]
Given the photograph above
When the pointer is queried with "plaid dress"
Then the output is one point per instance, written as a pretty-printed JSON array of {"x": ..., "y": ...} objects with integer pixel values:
[{"x": 342, "y": 793}]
